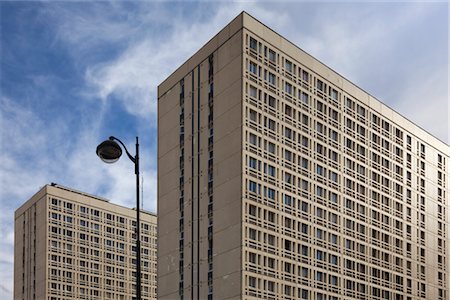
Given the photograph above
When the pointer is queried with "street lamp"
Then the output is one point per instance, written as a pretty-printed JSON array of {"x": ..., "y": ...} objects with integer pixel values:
[{"x": 109, "y": 152}]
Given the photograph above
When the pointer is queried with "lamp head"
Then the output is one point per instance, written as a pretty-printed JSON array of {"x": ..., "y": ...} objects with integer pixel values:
[{"x": 109, "y": 151}]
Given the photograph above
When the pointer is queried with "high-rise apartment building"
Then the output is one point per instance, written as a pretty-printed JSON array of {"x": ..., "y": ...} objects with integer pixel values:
[
  {"x": 72, "y": 245},
  {"x": 280, "y": 179}
]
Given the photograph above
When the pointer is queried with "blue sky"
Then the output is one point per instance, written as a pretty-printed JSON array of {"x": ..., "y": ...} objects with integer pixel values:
[{"x": 74, "y": 73}]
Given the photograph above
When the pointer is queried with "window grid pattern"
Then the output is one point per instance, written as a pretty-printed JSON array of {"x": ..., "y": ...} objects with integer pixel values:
[
  {"x": 92, "y": 253},
  {"x": 336, "y": 196}
]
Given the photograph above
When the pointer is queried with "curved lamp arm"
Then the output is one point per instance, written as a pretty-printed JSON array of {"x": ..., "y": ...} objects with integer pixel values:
[{"x": 133, "y": 159}]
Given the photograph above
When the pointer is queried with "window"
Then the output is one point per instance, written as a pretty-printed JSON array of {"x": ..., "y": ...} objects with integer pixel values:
[
  {"x": 361, "y": 111},
  {"x": 288, "y": 110},
  {"x": 288, "y": 133},
  {"x": 253, "y": 91},
  {"x": 271, "y": 147},
  {"x": 252, "y": 282},
  {"x": 253, "y": 115},
  {"x": 288, "y": 66},
  {"x": 253, "y": 187},
  {"x": 320, "y": 85},
  {"x": 253, "y": 68},
  {"x": 334, "y": 95},
  {"x": 252, "y": 139},
  {"x": 305, "y": 120},
  {"x": 320, "y": 276},
  {"x": 253, "y": 44},
  {"x": 319, "y": 127},
  {"x": 272, "y": 55},
  {"x": 287, "y": 200},
  {"x": 252, "y": 210},
  {"x": 288, "y": 155},
  {"x": 288, "y": 88},
  {"x": 271, "y": 170},
  {"x": 333, "y": 238},
  {"x": 333, "y": 197},
  {"x": 305, "y": 76},
  {"x": 333, "y": 155},
  {"x": 271, "y": 124},
  {"x": 319, "y": 235},
  {"x": 253, "y": 163},
  {"x": 271, "y": 193},
  {"x": 320, "y": 170},
  {"x": 334, "y": 176},
  {"x": 271, "y": 286},
  {"x": 319, "y": 191},
  {"x": 303, "y": 97},
  {"x": 272, "y": 102},
  {"x": 272, "y": 78},
  {"x": 333, "y": 135},
  {"x": 304, "y": 163}
]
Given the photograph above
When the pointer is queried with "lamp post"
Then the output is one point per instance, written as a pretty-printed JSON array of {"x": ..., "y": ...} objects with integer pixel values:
[{"x": 109, "y": 152}]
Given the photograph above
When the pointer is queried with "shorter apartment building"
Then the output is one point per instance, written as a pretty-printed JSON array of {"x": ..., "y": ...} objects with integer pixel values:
[{"x": 72, "y": 245}]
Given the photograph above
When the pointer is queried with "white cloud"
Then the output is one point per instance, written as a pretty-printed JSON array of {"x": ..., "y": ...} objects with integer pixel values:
[{"x": 383, "y": 50}]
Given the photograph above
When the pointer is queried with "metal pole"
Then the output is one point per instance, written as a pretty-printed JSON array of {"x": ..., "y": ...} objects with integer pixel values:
[{"x": 138, "y": 225}]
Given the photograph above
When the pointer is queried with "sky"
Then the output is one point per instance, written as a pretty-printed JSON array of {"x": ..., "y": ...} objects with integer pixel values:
[{"x": 74, "y": 73}]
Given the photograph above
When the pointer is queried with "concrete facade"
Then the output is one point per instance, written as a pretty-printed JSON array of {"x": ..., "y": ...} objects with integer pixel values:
[
  {"x": 72, "y": 245},
  {"x": 280, "y": 179}
]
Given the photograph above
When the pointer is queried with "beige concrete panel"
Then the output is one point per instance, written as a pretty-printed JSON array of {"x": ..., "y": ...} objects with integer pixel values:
[
  {"x": 374, "y": 104},
  {"x": 236, "y": 25},
  {"x": 227, "y": 239},
  {"x": 171, "y": 296},
  {"x": 227, "y": 77},
  {"x": 228, "y": 286},
  {"x": 167, "y": 122},
  {"x": 227, "y": 193},
  {"x": 229, "y": 97},
  {"x": 223, "y": 36},
  {"x": 227, "y": 123},
  {"x": 168, "y": 202},
  {"x": 253, "y": 25},
  {"x": 168, "y": 284},
  {"x": 169, "y": 142},
  {"x": 272, "y": 36},
  {"x": 227, "y": 169},
  {"x": 227, "y": 263},
  {"x": 227, "y": 144},
  {"x": 355, "y": 92},
  {"x": 168, "y": 181},
  {"x": 236, "y": 47},
  {"x": 229, "y": 214},
  {"x": 168, "y": 101},
  {"x": 229, "y": 52},
  {"x": 168, "y": 223},
  {"x": 168, "y": 262}
]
